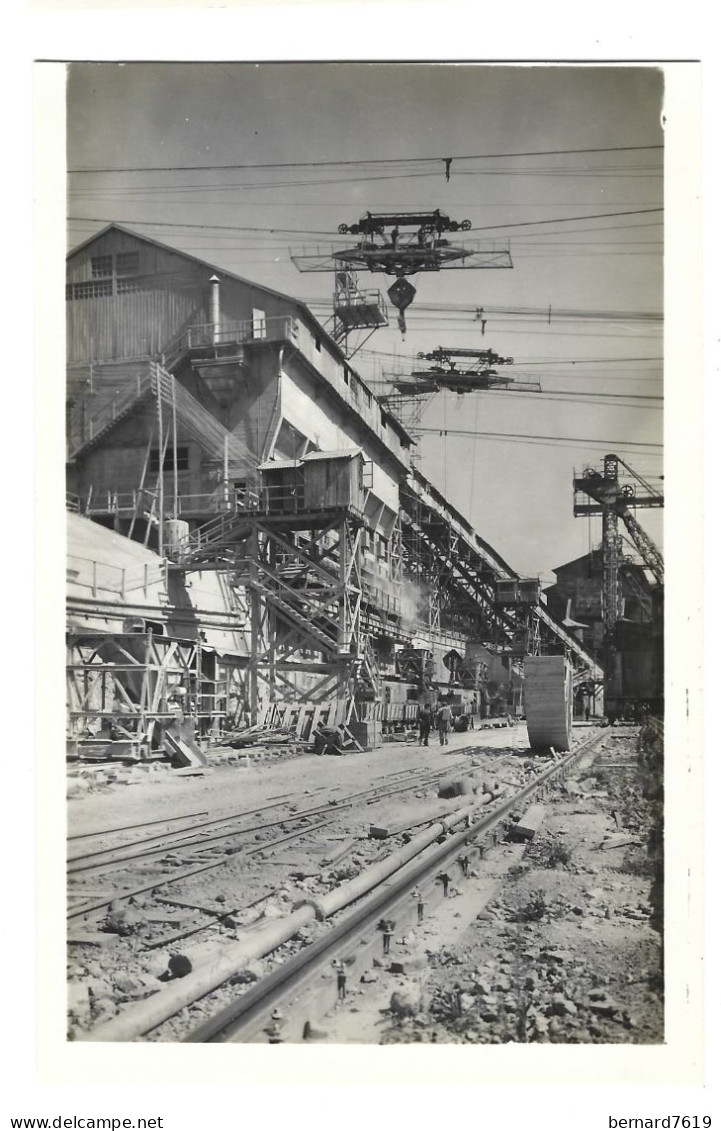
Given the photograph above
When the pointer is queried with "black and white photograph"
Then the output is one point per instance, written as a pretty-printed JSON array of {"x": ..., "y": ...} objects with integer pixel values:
[{"x": 365, "y": 554}]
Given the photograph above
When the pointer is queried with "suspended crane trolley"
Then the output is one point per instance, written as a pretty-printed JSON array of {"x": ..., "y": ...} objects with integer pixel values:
[
  {"x": 476, "y": 372},
  {"x": 404, "y": 243}
]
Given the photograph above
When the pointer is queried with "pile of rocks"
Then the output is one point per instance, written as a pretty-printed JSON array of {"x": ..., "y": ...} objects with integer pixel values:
[{"x": 538, "y": 996}]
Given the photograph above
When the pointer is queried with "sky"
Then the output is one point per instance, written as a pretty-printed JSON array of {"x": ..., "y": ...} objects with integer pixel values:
[{"x": 281, "y": 154}]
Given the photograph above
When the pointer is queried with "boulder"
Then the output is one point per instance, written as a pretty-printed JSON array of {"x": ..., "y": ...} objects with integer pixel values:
[
  {"x": 252, "y": 972},
  {"x": 123, "y": 921},
  {"x": 466, "y": 1001},
  {"x": 272, "y": 912},
  {"x": 406, "y": 1002},
  {"x": 454, "y": 787},
  {"x": 130, "y": 988}
]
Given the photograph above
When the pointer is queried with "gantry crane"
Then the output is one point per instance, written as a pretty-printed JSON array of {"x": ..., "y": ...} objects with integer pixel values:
[
  {"x": 404, "y": 243},
  {"x": 606, "y": 496}
]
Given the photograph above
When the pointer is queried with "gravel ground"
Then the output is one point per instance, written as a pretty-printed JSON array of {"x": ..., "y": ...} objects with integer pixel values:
[
  {"x": 557, "y": 942},
  {"x": 114, "y": 959}
]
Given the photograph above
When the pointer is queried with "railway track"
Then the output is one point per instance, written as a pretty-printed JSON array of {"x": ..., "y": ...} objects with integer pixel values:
[
  {"x": 349, "y": 912},
  {"x": 227, "y": 836}
]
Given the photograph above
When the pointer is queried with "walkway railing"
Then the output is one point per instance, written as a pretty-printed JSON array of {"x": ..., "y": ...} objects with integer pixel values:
[
  {"x": 230, "y": 333},
  {"x": 104, "y": 577}
]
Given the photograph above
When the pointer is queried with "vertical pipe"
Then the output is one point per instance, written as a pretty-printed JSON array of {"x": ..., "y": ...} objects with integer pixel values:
[
  {"x": 215, "y": 306},
  {"x": 175, "y": 455},
  {"x": 226, "y": 486},
  {"x": 161, "y": 463}
]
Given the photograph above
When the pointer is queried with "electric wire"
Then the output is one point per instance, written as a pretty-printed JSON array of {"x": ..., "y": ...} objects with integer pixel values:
[
  {"x": 314, "y": 232},
  {"x": 535, "y": 437},
  {"x": 360, "y": 161}
]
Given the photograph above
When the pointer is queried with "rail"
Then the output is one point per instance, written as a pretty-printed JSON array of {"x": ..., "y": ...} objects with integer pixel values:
[
  {"x": 244, "y": 1016},
  {"x": 380, "y": 890}
]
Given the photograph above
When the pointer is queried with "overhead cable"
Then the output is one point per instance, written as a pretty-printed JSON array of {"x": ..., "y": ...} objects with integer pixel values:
[
  {"x": 532, "y": 436},
  {"x": 358, "y": 161}
]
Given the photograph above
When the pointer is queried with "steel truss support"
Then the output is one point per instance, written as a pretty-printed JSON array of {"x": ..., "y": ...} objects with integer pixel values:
[
  {"x": 459, "y": 582},
  {"x": 455, "y": 585},
  {"x": 310, "y": 611}
]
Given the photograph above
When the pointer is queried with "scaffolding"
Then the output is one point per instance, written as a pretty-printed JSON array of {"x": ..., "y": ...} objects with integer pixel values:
[{"x": 126, "y": 689}]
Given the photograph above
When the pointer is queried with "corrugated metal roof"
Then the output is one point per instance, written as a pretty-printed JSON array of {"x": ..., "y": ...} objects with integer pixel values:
[
  {"x": 278, "y": 464},
  {"x": 342, "y": 453}
]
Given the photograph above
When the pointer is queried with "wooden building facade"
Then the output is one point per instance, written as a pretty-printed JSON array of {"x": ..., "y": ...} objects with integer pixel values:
[{"x": 251, "y": 377}]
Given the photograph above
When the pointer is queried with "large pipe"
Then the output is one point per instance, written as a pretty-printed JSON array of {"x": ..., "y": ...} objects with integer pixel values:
[
  {"x": 344, "y": 894},
  {"x": 148, "y": 1014},
  {"x": 257, "y": 942}
]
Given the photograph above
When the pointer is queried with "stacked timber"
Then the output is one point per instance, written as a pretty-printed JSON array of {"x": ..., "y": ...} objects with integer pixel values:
[
  {"x": 254, "y": 735},
  {"x": 548, "y": 696}
]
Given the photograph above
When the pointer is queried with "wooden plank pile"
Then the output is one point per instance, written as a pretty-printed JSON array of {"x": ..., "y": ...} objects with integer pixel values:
[
  {"x": 256, "y": 735},
  {"x": 292, "y": 729}
]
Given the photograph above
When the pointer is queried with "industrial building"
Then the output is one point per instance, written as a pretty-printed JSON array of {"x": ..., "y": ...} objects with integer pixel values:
[
  {"x": 576, "y": 598},
  {"x": 248, "y": 537}
]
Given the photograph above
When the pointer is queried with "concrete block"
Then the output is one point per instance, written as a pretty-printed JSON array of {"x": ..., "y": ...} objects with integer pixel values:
[
  {"x": 529, "y": 824},
  {"x": 619, "y": 841}
]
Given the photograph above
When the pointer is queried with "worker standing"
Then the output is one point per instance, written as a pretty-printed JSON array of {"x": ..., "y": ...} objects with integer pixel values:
[
  {"x": 443, "y": 722},
  {"x": 425, "y": 718}
]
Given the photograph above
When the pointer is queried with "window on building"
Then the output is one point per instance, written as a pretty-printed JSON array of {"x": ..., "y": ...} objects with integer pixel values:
[
  {"x": 168, "y": 462},
  {"x": 127, "y": 263},
  {"x": 101, "y": 266},
  {"x": 259, "y": 324},
  {"x": 317, "y": 342},
  {"x": 346, "y": 374},
  {"x": 132, "y": 284},
  {"x": 100, "y": 288}
]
